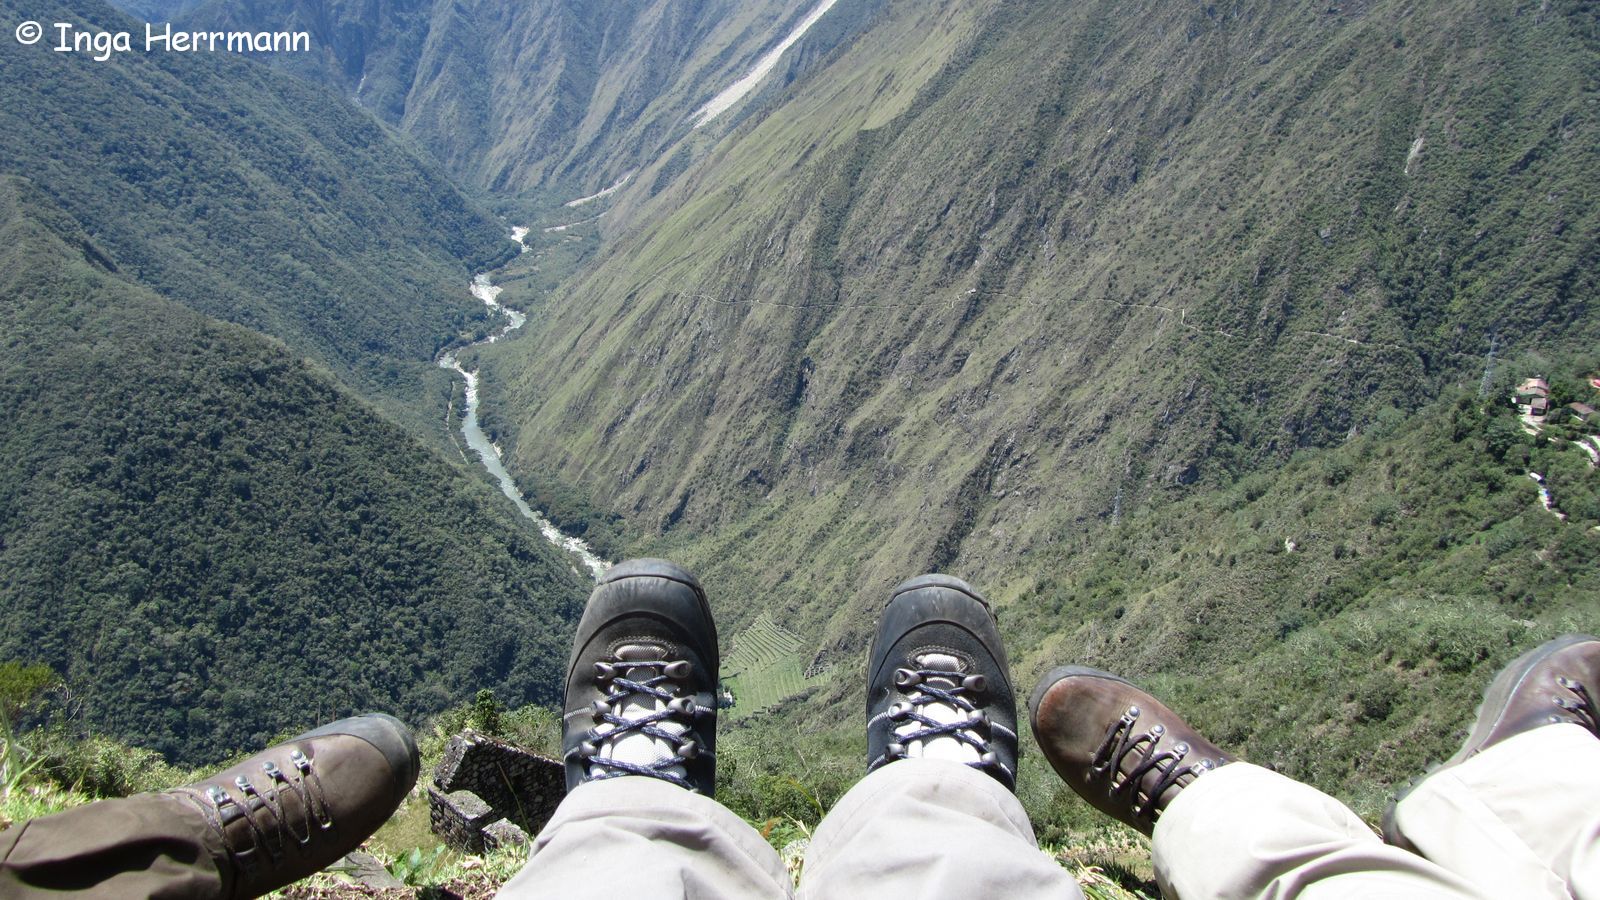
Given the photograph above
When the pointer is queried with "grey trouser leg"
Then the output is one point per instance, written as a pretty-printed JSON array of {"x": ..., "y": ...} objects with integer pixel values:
[
  {"x": 644, "y": 838},
  {"x": 927, "y": 829},
  {"x": 1244, "y": 832},
  {"x": 1522, "y": 818}
]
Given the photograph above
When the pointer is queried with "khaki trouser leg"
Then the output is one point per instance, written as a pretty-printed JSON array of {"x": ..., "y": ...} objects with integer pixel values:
[
  {"x": 1522, "y": 818},
  {"x": 643, "y": 838},
  {"x": 927, "y": 829},
  {"x": 1244, "y": 832},
  {"x": 152, "y": 845}
]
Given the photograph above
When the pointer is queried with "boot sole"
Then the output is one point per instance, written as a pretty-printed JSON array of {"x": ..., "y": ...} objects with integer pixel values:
[
  {"x": 949, "y": 582},
  {"x": 643, "y": 568},
  {"x": 389, "y": 736},
  {"x": 656, "y": 568}
]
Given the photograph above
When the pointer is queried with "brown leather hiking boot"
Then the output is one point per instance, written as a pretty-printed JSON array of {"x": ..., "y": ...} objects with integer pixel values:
[
  {"x": 298, "y": 807},
  {"x": 1121, "y": 749},
  {"x": 270, "y": 820},
  {"x": 1556, "y": 682}
]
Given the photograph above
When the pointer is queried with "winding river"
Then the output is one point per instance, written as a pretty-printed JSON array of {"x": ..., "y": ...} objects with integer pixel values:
[{"x": 489, "y": 454}]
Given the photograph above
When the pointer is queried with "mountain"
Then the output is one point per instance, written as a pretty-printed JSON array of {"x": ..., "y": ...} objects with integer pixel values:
[
  {"x": 254, "y": 197},
  {"x": 157, "y": 11},
  {"x": 214, "y": 542},
  {"x": 990, "y": 279},
  {"x": 548, "y": 95}
]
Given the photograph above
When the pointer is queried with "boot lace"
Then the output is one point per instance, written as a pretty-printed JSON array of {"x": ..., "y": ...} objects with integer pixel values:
[
  {"x": 939, "y": 705},
  {"x": 270, "y": 825},
  {"x": 1139, "y": 753},
  {"x": 1583, "y": 708},
  {"x": 645, "y": 708}
]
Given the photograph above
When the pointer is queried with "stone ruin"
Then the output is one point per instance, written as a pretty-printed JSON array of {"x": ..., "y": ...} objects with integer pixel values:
[{"x": 488, "y": 794}]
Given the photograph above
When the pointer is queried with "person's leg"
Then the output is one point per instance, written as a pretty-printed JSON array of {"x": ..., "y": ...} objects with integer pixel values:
[
  {"x": 1220, "y": 828},
  {"x": 935, "y": 816},
  {"x": 640, "y": 733},
  {"x": 1518, "y": 808},
  {"x": 1245, "y": 832},
  {"x": 644, "y": 838},
  {"x": 273, "y": 819},
  {"x": 930, "y": 828}
]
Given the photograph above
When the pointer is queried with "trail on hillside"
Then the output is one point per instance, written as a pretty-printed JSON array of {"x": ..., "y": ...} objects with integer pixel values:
[{"x": 599, "y": 195}]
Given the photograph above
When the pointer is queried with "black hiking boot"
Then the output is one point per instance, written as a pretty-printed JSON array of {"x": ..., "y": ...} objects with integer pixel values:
[
  {"x": 298, "y": 807},
  {"x": 641, "y": 684},
  {"x": 1122, "y": 750},
  {"x": 938, "y": 686},
  {"x": 1556, "y": 682}
]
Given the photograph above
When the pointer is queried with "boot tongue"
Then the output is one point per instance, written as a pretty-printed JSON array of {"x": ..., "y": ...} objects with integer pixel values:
[
  {"x": 636, "y": 747},
  {"x": 641, "y": 652},
  {"x": 944, "y": 747},
  {"x": 942, "y": 662}
]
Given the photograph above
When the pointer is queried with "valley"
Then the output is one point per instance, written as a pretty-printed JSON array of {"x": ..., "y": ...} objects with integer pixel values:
[
  {"x": 488, "y": 453},
  {"x": 1188, "y": 334}
]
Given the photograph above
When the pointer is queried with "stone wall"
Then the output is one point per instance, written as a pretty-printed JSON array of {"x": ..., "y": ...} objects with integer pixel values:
[{"x": 487, "y": 793}]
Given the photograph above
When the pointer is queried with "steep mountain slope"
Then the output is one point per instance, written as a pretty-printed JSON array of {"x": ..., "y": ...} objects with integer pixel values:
[
  {"x": 215, "y": 543},
  {"x": 544, "y": 95},
  {"x": 251, "y": 196},
  {"x": 997, "y": 274}
]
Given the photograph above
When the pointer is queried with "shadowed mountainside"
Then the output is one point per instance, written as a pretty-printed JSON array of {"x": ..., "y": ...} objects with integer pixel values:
[
  {"x": 253, "y": 197},
  {"x": 214, "y": 543},
  {"x": 551, "y": 95}
]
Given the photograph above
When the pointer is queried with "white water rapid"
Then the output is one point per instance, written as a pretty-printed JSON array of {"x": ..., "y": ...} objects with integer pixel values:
[{"x": 489, "y": 454}]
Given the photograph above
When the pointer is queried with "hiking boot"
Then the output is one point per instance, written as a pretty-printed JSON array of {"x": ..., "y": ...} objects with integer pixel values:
[
  {"x": 298, "y": 807},
  {"x": 1556, "y": 682},
  {"x": 641, "y": 684},
  {"x": 1120, "y": 749},
  {"x": 938, "y": 686}
]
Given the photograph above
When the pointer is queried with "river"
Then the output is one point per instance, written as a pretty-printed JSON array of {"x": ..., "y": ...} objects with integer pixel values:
[{"x": 485, "y": 290}]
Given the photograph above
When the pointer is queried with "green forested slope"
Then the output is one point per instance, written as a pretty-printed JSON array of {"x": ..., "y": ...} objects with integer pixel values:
[
  {"x": 1336, "y": 618},
  {"x": 250, "y": 196},
  {"x": 995, "y": 274},
  {"x": 213, "y": 542}
]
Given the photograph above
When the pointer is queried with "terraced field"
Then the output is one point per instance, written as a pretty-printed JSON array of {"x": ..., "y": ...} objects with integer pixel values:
[{"x": 766, "y": 666}]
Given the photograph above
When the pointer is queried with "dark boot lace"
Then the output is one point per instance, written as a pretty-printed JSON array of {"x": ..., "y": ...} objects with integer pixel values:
[
  {"x": 270, "y": 827},
  {"x": 643, "y": 724},
  {"x": 1137, "y": 753},
  {"x": 1583, "y": 708},
  {"x": 939, "y": 706}
]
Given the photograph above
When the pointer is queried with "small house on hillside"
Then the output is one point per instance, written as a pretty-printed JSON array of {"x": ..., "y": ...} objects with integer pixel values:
[
  {"x": 1532, "y": 387},
  {"x": 1533, "y": 400},
  {"x": 1583, "y": 412}
]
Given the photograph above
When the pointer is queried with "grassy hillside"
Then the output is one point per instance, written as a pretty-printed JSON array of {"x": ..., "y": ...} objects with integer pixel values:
[
  {"x": 1336, "y": 618},
  {"x": 252, "y": 197},
  {"x": 993, "y": 275},
  {"x": 214, "y": 542}
]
